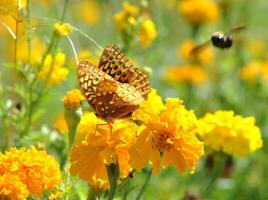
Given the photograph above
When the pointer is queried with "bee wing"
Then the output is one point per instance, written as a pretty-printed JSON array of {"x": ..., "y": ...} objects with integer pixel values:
[
  {"x": 236, "y": 29},
  {"x": 199, "y": 48}
]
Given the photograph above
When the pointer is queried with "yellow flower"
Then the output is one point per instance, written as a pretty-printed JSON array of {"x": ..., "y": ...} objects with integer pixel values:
[
  {"x": 37, "y": 50},
  {"x": 232, "y": 134},
  {"x": 147, "y": 32},
  {"x": 63, "y": 29},
  {"x": 100, "y": 148},
  {"x": 88, "y": 122},
  {"x": 88, "y": 11},
  {"x": 11, "y": 5},
  {"x": 256, "y": 47},
  {"x": 168, "y": 136},
  {"x": 252, "y": 71},
  {"x": 37, "y": 170},
  {"x": 204, "y": 56},
  {"x": 12, "y": 188},
  {"x": 129, "y": 13},
  {"x": 73, "y": 98},
  {"x": 53, "y": 71},
  {"x": 60, "y": 124},
  {"x": 191, "y": 74},
  {"x": 199, "y": 11}
]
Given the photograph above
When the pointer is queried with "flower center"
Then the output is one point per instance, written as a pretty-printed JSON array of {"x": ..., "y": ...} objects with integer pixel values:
[{"x": 162, "y": 141}]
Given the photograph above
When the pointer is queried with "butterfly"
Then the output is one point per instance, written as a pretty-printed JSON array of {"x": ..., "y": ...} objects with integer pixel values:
[
  {"x": 114, "y": 88},
  {"x": 218, "y": 39}
]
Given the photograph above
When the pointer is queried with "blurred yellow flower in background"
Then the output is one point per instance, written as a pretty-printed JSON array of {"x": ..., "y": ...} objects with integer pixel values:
[
  {"x": 12, "y": 188},
  {"x": 11, "y": 23},
  {"x": 53, "y": 71},
  {"x": 230, "y": 133},
  {"x": 254, "y": 71},
  {"x": 199, "y": 11},
  {"x": 36, "y": 169},
  {"x": 87, "y": 11},
  {"x": 168, "y": 136},
  {"x": 147, "y": 32},
  {"x": 37, "y": 50},
  {"x": 204, "y": 56},
  {"x": 190, "y": 74},
  {"x": 11, "y": 5},
  {"x": 63, "y": 29},
  {"x": 101, "y": 148},
  {"x": 60, "y": 124},
  {"x": 73, "y": 98},
  {"x": 127, "y": 15},
  {"x": 256, "y": 47}
]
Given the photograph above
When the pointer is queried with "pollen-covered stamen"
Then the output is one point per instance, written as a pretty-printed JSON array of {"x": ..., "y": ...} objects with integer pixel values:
[{"x": 162, "y": 140}]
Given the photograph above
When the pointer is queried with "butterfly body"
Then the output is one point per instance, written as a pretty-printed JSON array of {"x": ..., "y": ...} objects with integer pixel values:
[{"x": 110, "y": 93}]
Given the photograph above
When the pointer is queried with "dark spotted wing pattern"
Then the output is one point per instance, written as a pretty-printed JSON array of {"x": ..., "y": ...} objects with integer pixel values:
[
  {"x": 117, "y": 65},
  {"x": 109, "y": 98}
]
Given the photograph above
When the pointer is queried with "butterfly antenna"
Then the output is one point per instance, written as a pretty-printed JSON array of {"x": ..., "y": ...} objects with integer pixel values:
[
  {"x": 77, "y": 30},
  {"x": 73, "y": 48},
  {"x": 89, "y": 38},
  {"x": 34, "y": 28}
]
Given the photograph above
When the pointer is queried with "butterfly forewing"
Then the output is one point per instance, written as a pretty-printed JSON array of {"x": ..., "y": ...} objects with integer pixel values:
[
  {"x": 116, "y": 64},
  {"x": 109, "y": 98}
]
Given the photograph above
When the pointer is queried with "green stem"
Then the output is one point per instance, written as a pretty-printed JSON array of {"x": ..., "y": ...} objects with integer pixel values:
[
  {"x": 149, "y": 174},
  {"x": 28, "y": 35},
  {"x": 113, "y": 174},
  {"x": 219, "y": 165},
  {"x": 65, "y": 5}
]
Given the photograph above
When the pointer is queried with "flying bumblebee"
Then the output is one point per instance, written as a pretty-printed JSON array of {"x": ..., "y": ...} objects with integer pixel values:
[{"x": 219, "y": 39}]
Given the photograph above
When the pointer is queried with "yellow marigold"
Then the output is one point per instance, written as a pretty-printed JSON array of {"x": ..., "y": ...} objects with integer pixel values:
[
  {"x": 191, "y": 74},
  {"x": 205, "y": 56},
  {"x": 73, "y": 98},
  {"x": 36, "y": 169},
  {"x": 60, "y": 124},
  {"x": 100, "y": 148},
  {"x": 129, "y": 13},
  {"x": 147, "y": 32},
  {"x": 53, "y": 71},
  {"x": 88, "y": 11},
  {"x": 88, "y": 122},
  {"x": 63, "y": 29},
  {"x": 230, "y": 133},
  {"x": 12, "y": 188},
  {"x": 168, "y": 136},
  {"x": 252, "y": 71},
  {"x": 199, "y": 11}
]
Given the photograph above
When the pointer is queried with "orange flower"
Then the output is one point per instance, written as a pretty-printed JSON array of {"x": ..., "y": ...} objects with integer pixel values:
[
  {"x": 101, "y": 148},
  {"x": 60, "y": 124},
  {"x": 12, "y": 188},
  {"x": 73, "y": 98},
  {"x": 168, "y": 130},
  {"x": 191, "y": 74},
  {"x": 199, "y": 11},
  {"x": 205, "y": 56},
  {"x": 37, "y": 170}
]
